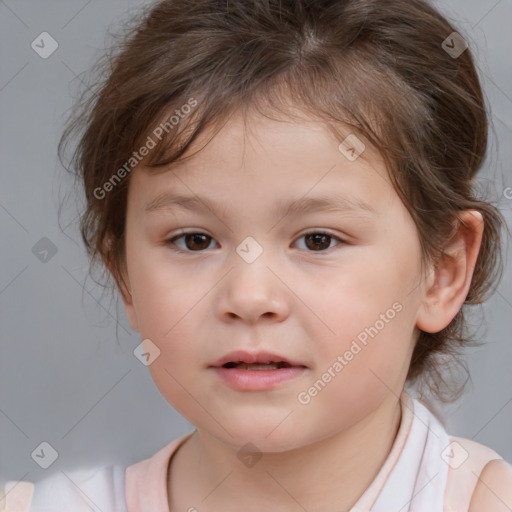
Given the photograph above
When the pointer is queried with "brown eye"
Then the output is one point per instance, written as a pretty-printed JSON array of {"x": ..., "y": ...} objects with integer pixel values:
[
  {"x": 318, "y": 241},
  {"x": 194, "y": 242},
  {"x": 315, "y": 241}
]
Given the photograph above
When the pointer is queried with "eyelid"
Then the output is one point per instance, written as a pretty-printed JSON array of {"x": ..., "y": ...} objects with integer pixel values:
[
  {"x": 322, "y": 232},
  {"x": 170, "y": 239}
]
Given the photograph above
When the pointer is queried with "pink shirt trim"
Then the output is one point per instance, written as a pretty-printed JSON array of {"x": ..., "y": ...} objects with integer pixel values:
[{"x": 146, "y": 481}]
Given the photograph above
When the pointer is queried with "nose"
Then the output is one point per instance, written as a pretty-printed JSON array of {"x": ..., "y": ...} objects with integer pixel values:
[{"x": 253, "y": 292}]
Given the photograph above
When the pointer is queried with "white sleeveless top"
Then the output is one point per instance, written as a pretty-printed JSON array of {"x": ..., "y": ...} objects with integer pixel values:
[{"x": 426, "y": 471}]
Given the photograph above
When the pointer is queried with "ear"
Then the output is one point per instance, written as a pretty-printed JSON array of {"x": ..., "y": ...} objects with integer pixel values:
[
  {"x": 120, "y": 276},
  {"x": 448, "y": 285}
]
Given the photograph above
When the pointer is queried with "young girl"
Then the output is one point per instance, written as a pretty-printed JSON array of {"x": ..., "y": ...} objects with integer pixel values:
[{"x": 283, "y": 194}]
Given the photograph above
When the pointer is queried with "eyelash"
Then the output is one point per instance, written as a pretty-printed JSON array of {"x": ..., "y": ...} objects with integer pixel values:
[{"x": 170, "y": 241}]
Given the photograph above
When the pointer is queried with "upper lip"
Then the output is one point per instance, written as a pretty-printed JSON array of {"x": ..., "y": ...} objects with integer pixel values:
[{"x": 253, "y": 357}]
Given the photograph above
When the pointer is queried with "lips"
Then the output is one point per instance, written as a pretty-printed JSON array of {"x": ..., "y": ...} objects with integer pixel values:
[
  {"x": 257, "y": 371},
  {"x": 241, "y": 359}
]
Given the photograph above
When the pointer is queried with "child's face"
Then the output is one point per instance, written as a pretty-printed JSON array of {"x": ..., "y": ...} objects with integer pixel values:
[{"x": 308, "y": 299}]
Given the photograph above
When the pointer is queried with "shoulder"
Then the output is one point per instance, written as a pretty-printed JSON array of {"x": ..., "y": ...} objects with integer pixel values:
[
  {"x": 471, "y": 454},
  {"x": 82, "y": 490},
  {"x": 16, "y": 495},
  {"x": 467, "y": 460},
  {"x": 493, "y": 492}
]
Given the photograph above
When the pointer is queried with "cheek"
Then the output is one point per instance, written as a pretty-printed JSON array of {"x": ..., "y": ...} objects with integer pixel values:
[
  {"x": 163, "y": 295},
  {"x": 368, "y": 316},
  {"x": 370, "y": 295},
  {"x": 358, "y": 370},
  {"x": 174, "y": 371}
]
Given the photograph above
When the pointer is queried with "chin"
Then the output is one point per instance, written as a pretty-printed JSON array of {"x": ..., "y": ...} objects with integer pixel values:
[{"x": 262, "y": 434}]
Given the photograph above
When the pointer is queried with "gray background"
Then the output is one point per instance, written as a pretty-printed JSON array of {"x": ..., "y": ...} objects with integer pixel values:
[{"x": 64, "y": 378}]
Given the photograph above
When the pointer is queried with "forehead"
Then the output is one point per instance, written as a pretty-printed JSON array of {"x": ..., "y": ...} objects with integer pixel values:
[{"x": 260, "y": 157}]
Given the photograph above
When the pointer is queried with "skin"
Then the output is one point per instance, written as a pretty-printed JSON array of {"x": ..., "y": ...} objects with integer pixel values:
[
  {"x": 305, "y": 304},
  {"x": 494, "y": 489}
]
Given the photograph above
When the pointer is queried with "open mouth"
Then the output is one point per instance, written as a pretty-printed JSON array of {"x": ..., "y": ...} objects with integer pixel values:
[
  {"x": 271, "y": 365},
  {"x": 262, "y": 371}
]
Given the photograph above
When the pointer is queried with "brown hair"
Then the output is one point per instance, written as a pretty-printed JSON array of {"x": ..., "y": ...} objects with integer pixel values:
[{"x": 378, "y": 67}]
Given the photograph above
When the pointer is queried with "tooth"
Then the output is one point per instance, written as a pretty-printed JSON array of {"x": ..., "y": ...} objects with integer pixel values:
[{"x": 257, "y": 366}]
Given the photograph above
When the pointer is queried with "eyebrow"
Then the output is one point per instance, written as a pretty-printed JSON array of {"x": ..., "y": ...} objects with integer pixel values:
[{"x": 326, "y": 202}]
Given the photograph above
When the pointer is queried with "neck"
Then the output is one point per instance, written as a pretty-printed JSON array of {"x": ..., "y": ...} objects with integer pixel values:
[{"x": 330, "y": 474}]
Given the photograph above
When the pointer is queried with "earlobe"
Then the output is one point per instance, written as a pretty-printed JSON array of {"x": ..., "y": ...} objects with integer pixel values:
[
  {"x": 449, "y": 282},
  {"x": 130, "y": 310},
  {"x": 123, "y": 285},
  {"x": 129, "y": 307}
]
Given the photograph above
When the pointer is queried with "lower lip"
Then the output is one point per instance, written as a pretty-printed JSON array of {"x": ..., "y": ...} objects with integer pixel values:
[{"x": 257, "y": 380}]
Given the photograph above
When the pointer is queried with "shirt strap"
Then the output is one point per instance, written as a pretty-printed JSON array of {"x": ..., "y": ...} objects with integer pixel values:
[{"x": 17, "y": 496}]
